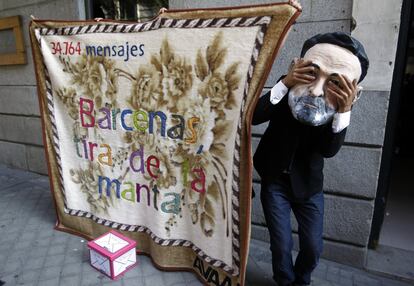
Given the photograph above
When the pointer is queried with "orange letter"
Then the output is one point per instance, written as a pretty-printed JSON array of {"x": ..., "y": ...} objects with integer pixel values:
[{"x": 191, "y": 122}]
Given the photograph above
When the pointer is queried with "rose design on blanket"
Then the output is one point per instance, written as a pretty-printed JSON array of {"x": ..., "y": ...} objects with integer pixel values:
[
  {"x": 95, "y": 75},
  {"x": 177, "y": 77},
  {"x": 195, "y": 98},
  {"x": 70, "y": 99},
  {"x": 146, "y": 89},
  {"x": 87, "y": 179},
  {"x": 216, "y": 86},
  {"x": 166, "y": 176}
]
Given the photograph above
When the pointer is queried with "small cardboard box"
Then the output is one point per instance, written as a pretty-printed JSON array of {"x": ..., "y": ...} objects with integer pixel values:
[{"x": 112, "y": 253}]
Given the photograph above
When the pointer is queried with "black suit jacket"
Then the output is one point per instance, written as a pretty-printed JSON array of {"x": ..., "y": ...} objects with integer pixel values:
[{"x": 291, "y": 149}]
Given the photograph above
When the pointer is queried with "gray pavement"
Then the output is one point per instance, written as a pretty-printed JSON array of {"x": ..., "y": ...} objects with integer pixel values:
[{"x": 33, "y": 253}]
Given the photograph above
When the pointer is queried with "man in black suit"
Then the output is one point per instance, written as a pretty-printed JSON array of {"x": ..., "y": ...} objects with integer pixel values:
[{"x": 306, "y": 126}]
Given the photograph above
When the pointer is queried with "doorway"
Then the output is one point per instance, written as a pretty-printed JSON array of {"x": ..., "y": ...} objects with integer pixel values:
[
  {"x": 393, "y": 220},
  {"x": 392, "y": 234},
  {"x": 398, "y": 226}
]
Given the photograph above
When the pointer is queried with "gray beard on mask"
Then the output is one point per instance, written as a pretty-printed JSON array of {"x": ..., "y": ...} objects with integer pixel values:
[{"x": 310, "y": 110}]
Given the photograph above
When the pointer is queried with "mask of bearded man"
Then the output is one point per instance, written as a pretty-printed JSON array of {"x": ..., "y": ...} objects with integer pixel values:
[{"x": 310, "y": 103}]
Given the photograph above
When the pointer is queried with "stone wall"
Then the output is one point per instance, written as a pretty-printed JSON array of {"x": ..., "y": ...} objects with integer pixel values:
[
  {"x": 20, "y": 125},
  {"x": 351, "y": 176}
]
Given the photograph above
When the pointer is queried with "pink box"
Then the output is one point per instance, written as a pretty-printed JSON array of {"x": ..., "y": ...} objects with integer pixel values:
[{"x": 112, "y": 253}]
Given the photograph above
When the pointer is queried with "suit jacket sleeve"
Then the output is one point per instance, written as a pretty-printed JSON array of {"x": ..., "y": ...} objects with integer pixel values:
[
  {"x": 330, "y": 142},
  {"x": 264, "y": 108}
]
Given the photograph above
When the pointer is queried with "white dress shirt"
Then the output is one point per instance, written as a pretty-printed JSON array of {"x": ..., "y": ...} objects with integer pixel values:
[{"x": 340, "y": 120}]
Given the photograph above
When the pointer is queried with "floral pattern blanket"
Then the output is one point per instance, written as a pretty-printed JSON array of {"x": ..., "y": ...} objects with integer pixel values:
[{"x": 147, "y": 129}]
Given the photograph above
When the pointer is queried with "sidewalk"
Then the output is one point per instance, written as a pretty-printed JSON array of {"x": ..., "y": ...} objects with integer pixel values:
[{"x": 33, "y": 253}]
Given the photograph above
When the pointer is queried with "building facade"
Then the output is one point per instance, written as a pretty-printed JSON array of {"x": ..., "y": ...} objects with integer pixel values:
[{"x": 351, "y": 178}]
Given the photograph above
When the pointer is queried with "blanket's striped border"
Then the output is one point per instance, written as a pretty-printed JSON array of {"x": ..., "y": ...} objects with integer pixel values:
[{"x": 159, "y": 23}]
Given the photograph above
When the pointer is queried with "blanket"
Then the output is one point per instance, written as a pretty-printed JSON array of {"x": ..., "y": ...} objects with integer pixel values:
[{"x": 146, "y": 129}]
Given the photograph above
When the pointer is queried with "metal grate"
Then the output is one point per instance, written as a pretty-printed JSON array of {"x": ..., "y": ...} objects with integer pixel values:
[{"x": 132, "y": 10}]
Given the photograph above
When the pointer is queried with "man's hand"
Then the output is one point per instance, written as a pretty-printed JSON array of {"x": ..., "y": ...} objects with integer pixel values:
[
  {"x": 300, "y": 71},
  {"x": 343, "y": 93}
]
